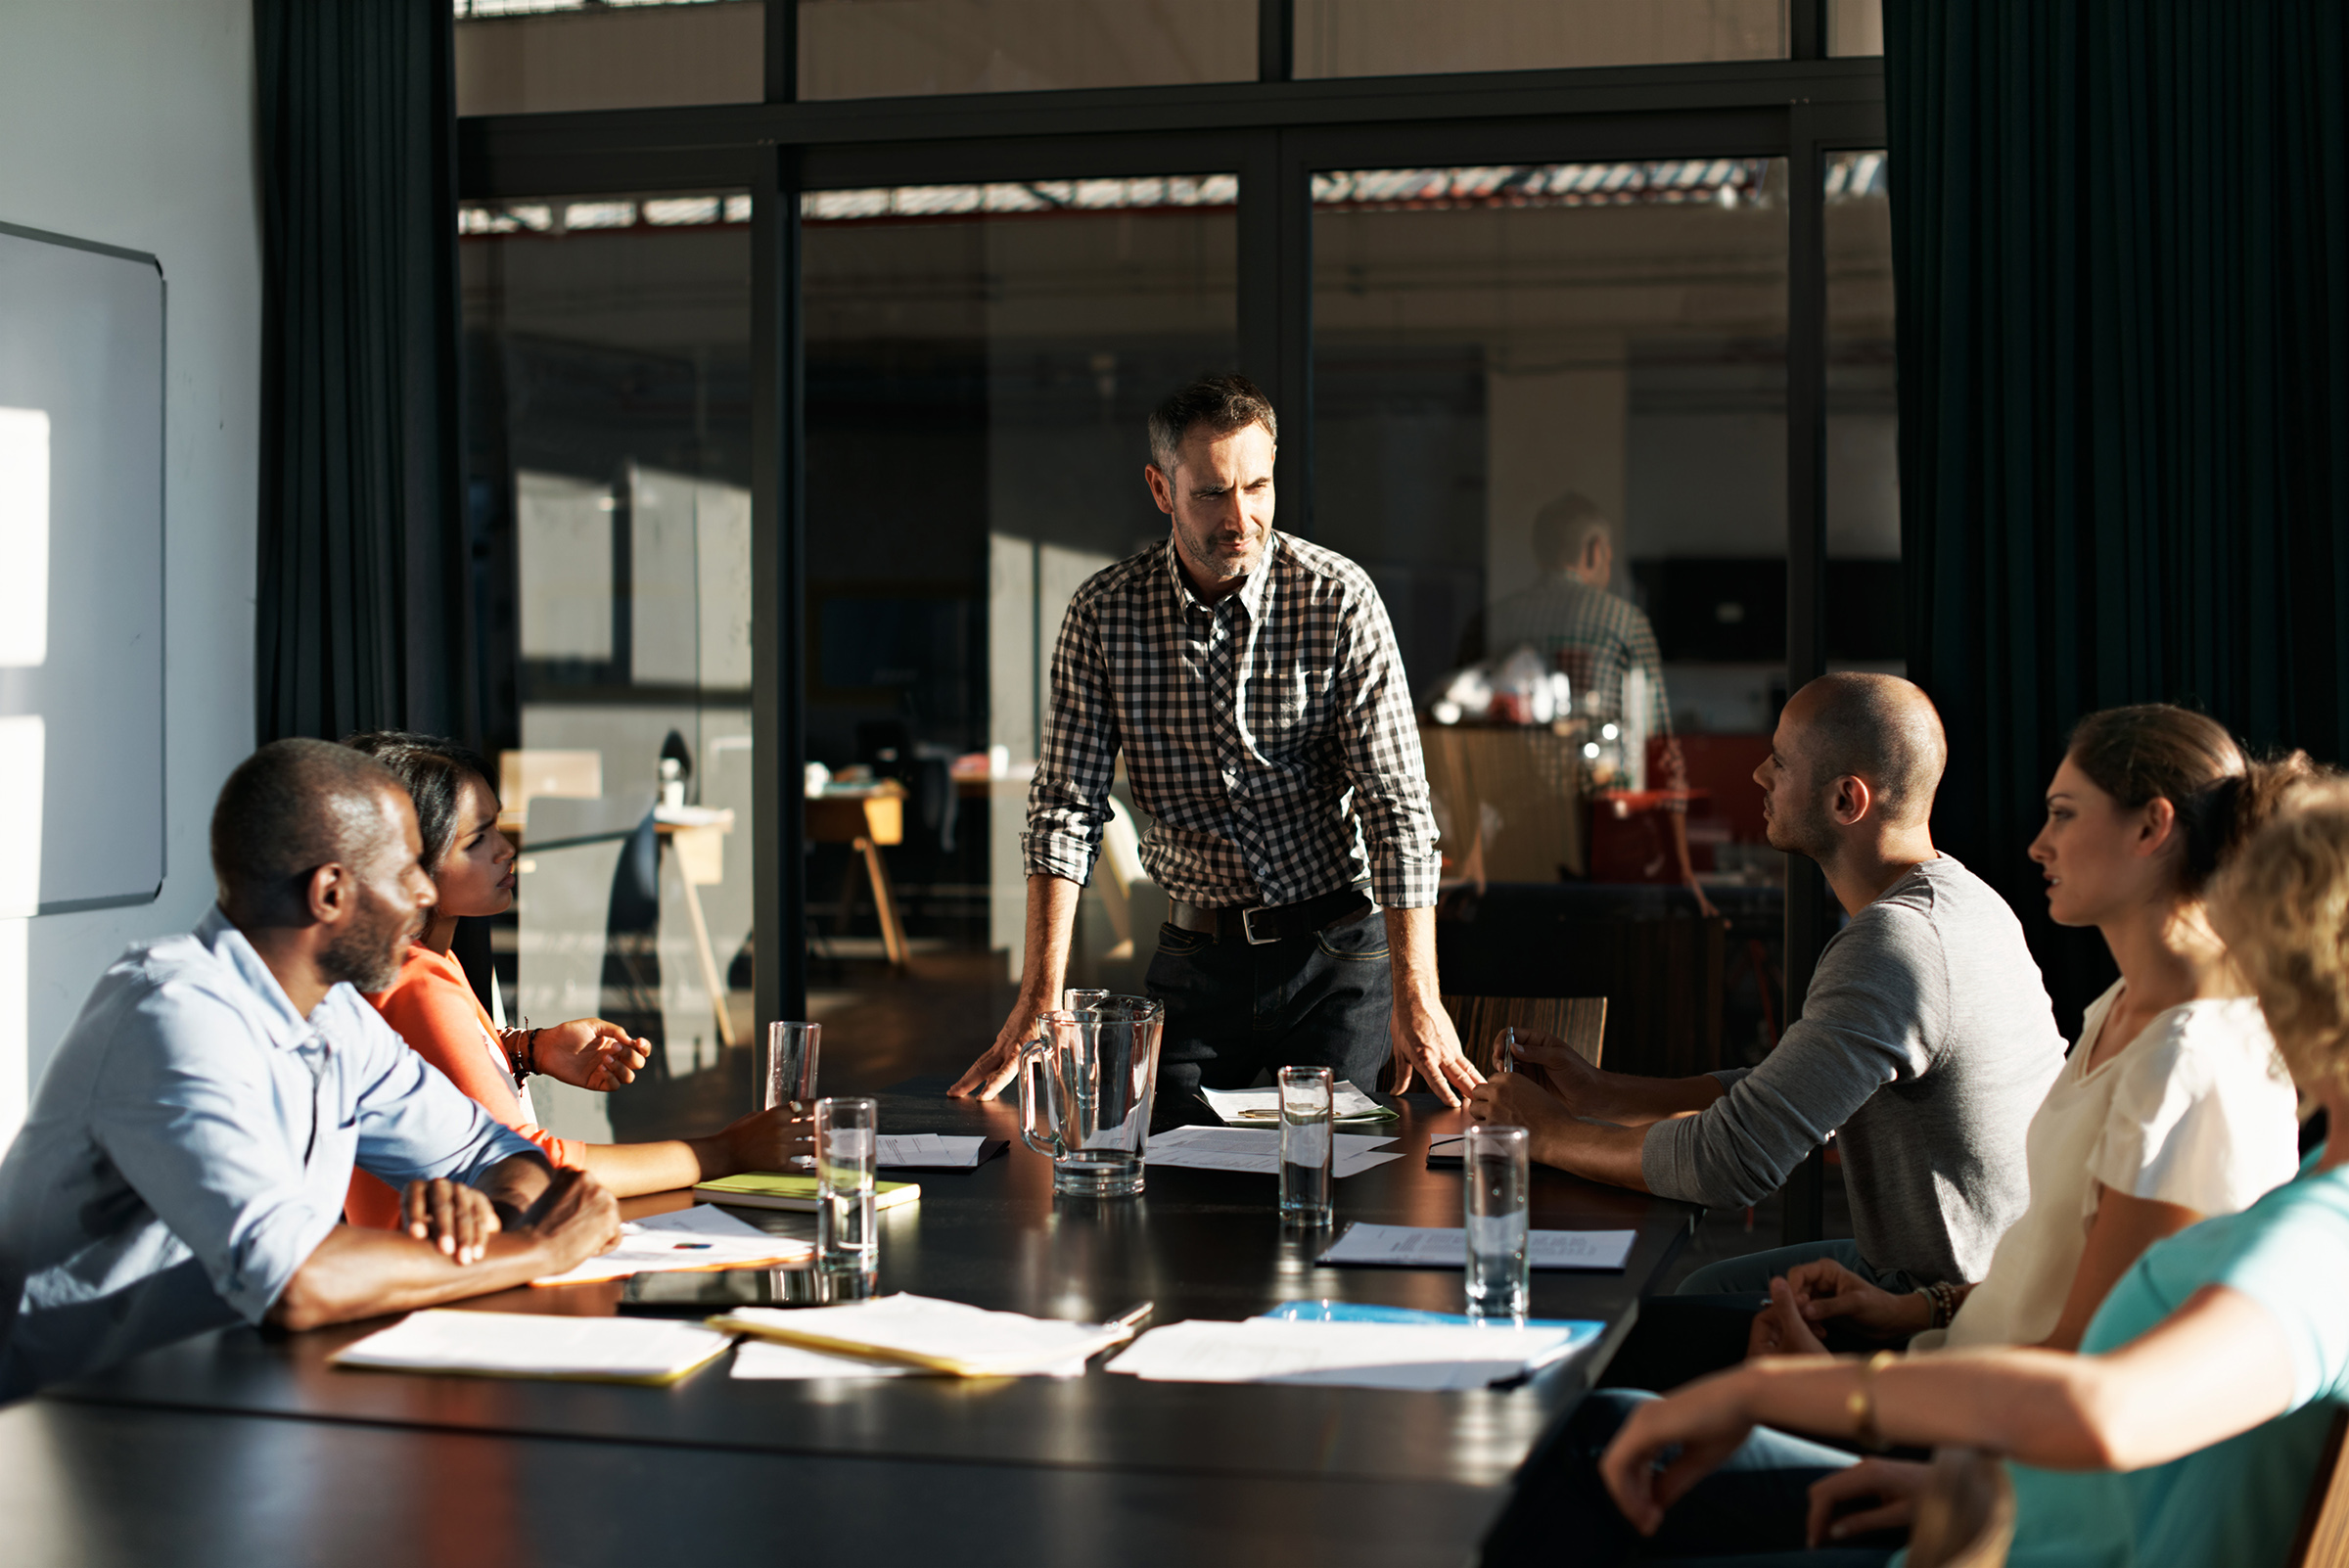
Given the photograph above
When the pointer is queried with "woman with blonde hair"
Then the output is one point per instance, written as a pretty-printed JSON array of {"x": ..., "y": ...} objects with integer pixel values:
[{"x": 2188, "y": 1427}]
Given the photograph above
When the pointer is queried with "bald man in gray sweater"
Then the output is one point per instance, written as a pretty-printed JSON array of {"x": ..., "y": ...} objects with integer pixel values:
[{"x": 1926, "y": 1040}]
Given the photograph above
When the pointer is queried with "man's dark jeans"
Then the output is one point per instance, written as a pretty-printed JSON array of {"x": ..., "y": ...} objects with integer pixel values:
[{"x": 1236, "y": 1009}]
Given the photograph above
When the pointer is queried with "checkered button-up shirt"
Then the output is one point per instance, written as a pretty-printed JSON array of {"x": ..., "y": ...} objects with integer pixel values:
[{"x": 1271, "y": 734}]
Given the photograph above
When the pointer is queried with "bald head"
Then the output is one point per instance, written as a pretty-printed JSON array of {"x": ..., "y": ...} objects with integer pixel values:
[
  {"x": 290, "y": 808},
  {"x": 1880, "y": 728}
]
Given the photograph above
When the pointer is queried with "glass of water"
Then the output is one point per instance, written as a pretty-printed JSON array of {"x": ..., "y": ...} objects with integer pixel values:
[
  {"x": 846, "y": 1143},
  {"x": 1305, "y": 1145},
  {"x": 789, "y": 1075},
  {"x": 1494, "y": 1164}
]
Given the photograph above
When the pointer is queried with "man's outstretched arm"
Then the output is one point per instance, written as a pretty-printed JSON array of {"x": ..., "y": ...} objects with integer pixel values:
[
  {"x": 1045, "y": 969},
  {"x": 564, "y": 1218}
]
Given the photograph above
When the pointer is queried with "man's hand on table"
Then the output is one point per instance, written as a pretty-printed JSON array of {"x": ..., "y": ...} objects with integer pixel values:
[
  {"x": 574, "y": 1219},
  {"x": 1554, "y": 1065},
  {"x": 456, "y": 1219},
  {"x": 765, "y": 1141},
  {"x": 1424, "y": 1042},
  {"x": 987, "y": 1077}
]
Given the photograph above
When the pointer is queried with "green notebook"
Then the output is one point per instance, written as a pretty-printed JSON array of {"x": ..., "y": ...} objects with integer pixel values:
[{"x": 770, "y": 1189}]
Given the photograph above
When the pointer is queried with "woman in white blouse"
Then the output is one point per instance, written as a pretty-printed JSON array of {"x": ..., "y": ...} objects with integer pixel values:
[{"x": 2173, "y": 1106}]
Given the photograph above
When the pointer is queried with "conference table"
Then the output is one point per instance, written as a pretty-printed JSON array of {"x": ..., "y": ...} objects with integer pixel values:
[{"x": 245, "y": 1446}]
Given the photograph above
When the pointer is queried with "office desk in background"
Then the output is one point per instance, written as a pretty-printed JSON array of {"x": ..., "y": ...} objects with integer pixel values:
[{"x": 1102, "y": 1468}]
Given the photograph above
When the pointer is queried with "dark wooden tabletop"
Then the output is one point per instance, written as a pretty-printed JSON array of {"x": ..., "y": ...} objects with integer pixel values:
[{"x": 1198, "y": 1243}]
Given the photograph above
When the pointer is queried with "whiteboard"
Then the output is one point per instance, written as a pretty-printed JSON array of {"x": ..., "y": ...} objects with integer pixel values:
[{"x": 82, "y": 575}]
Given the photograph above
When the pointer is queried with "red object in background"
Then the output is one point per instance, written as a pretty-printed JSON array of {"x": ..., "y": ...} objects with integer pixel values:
[
  {"x": 1723, "y": 767},
  {"x": 1631, "y": 836}
]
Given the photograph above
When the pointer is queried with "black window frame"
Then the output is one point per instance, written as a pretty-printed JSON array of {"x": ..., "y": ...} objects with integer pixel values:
[{"x": 1273, "y": 132}]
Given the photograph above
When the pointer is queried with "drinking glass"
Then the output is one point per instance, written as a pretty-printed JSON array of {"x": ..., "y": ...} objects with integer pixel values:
[
  {"x": 846, "y": 1143},
  {"x": 1076, "y": 1000},
  {"x": 789, "y": 1077},
  {"x": 1307, "y": 1096},
  {"x": 1499, "y": 1280}
]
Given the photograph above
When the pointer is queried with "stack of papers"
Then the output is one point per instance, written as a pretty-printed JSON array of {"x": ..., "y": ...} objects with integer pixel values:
[
  {"x": 1262, "y": 1107},
  {"x": 932, "y": 1335},
  {"x": 597, "y": 1349},
  {"x": 1344, "y": 1354},
  {"x": 1231, "y": 1148},
  {"x": 1440, "y": 1247},
  {"x": 697, "y": 1239},
  {"x": 929, "y": 1151}
]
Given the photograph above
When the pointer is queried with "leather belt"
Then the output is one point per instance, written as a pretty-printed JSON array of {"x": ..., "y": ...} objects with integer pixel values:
[{"x": 1268, "y": 923}]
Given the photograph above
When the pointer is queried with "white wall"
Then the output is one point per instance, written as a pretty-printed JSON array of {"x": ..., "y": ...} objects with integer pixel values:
[{"x": 131, "y": 123}]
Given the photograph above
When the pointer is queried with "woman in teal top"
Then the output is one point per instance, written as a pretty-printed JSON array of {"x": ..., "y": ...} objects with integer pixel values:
[{"x": 2189, "y": 1428}]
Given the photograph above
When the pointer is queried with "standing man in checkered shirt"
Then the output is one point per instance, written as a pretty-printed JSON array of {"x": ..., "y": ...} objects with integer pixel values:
[{"x": 1253, "y": 682}]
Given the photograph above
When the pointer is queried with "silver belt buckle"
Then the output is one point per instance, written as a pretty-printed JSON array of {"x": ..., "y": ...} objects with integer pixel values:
[{"x": 1248, "y": 928}]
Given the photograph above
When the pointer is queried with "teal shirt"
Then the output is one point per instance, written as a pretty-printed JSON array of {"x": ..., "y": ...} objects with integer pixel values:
[{"x": 2238, "y": 1502}]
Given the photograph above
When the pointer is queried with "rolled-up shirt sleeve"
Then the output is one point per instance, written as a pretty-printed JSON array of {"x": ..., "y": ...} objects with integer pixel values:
[
  {"x": 1381, "y": 738},
  {"x": 416, "y": 1126},
  {"x": 1860, "y": 1030},
  {"x": 176, "y": 1118},
  {"x": 1068, "y": 801}
]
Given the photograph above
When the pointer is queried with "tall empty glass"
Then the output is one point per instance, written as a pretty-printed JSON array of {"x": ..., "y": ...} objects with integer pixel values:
[
  {"x": 1307, "y": 1095},
  {"x": 788, "y": 1074},
  {"x": 1086, "y": 1084},
  {"x": 1498, "y": 1281},
  {"x": 846, "y": 1143}
]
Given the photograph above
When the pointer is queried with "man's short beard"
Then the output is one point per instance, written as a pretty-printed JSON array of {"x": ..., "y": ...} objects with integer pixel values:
[
  {"x": 1808, "y": 832},
  {"x": 368, "y": 954}
]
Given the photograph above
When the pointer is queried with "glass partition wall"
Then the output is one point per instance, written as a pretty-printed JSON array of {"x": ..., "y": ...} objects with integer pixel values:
[
  {"x": 802, "y": 413},
  {"x": 980, "y": 360}
]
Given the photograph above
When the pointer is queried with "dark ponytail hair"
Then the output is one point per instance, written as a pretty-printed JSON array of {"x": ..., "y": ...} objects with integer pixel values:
[
  {"x": 434, "y": 769},
  {"x": 2153, "y": 750}
]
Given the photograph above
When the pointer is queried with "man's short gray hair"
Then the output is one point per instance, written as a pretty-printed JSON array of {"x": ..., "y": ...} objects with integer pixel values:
[
  {"x": 1221, "y": 403},
  {"x": 1563, "y": 530}
]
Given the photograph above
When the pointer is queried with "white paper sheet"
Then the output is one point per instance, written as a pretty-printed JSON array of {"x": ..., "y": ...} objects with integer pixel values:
[
  {"x": 667, "y": 1249},
  {"x": 536, "y": 1345},
  {"x": 1392, "y": 1356},
  {"x": 1258, "y": 1107},
  {"x": 928, "y": 1151},
  {"x": 702, "y": 1220},
  {"x": 761, "y": 1361},
  {"x": 945, "y": 1335},
  {"x": 1440, "y": 1247},
  {"x": 1251, "y": 1149}
]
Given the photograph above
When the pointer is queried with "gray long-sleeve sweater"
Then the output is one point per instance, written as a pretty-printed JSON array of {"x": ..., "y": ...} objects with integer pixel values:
[{"x": 1927, "y": 1038}]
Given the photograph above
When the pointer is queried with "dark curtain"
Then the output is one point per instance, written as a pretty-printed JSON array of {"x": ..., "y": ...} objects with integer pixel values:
[
  {"x": 2121, "y": 275},
  {"x": 360, "y": 610}
]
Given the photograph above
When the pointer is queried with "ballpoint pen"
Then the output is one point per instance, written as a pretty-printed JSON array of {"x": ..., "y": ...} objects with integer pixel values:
[{"x": 1134, "y": 1317}]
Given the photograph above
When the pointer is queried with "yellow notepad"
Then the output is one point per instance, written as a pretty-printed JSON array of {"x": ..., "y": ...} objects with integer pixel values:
[
  {"x": 770, "y": 1189},
  {"x": 535, "y": 1345}
]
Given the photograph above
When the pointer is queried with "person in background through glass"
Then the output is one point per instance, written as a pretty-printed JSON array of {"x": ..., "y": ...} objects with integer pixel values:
[
  {"x": 1605, "y": 644},
  {"x": 433, "y": 1008}
]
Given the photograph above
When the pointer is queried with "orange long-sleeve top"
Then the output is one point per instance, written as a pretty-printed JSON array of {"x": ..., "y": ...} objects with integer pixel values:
[{"x": 432, "y": 1006}]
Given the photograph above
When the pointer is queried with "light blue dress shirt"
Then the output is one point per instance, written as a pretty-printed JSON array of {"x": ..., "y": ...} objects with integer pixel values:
[{"x": 190, "y": 1146}]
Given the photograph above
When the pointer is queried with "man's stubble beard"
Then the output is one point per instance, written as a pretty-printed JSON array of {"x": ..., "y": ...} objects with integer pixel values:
[
  {"x": 370, "y": 952},
  {"x": 1808, "y": 832}
]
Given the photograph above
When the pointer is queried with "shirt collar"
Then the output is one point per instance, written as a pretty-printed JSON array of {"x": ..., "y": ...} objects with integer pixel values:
[
  {"x": 1253, "y": 588},
  {"x": 220, "y": 937}
]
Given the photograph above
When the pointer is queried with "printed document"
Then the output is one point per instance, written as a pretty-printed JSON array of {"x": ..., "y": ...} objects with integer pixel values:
[
  {"x": 647, "y": 1248},
  {"x": 1344, "y": 1354},
  {"x": 1262, "y": 1107},
  {"x": 939, "y": 1336},
  {"x": 1442, "y": 1247},
  {"x": 929, "y": 1151},
  {"x": 1235, "y": 1148},
  {"x": 602, "y": 1350}
]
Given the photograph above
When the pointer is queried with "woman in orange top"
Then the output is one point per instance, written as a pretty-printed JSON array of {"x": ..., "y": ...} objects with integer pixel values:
[{"x": 433, "y": 1008}]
